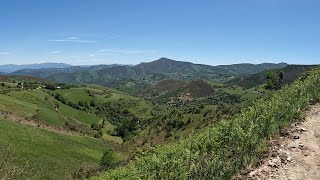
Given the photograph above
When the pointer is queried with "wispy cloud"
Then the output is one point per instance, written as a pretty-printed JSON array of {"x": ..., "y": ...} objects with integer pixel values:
[
  {"x": 55, "y": 52},
  {"x": 126, "y": 51},
  {"x": 73, "y": 39},
  {"x": 4, "y": 53},
  {"x": 91, "y": 35},
  {"x": 106, "y": 35}
]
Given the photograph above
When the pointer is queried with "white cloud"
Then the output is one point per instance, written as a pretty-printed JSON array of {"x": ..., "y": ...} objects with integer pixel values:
[
  {"x": 73, "y": 39},
  {"x": 4, "y": 53},
  {"x": 107, "y": 35},
  {"x": 55, "y": 52},
  {"x": 91, "y": 35}
]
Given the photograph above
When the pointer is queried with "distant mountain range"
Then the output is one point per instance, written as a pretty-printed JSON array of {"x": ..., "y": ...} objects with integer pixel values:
[
  {"x": 139, "y": 75},
  {"x": 46, "y": 72},
  {"x": 9, "y": 68}
]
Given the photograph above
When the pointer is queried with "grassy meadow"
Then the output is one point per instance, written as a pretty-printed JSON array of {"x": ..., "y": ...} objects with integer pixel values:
[{"x": 51, "y": 155}]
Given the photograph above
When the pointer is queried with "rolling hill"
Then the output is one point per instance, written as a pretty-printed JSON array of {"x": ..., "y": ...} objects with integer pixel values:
[
  {"x": 169, "y": 85},
  {"x": 291, "y": 73},
  {"x": 57, "y": 138},
  {"x": 178, "y": 88},
  {"x": 167, "y": 66},
  {"x": 198, "y": 89}
]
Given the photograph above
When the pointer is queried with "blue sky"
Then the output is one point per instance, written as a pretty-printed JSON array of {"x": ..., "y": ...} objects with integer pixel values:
[{"x": 128, "y": 32}]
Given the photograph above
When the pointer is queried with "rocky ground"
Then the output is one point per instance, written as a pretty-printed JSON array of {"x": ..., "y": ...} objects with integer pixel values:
[{"x": 295, "y": 155}]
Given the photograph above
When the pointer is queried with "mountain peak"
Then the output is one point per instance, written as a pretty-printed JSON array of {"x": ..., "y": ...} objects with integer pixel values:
[{"x": 164, "y": 59}]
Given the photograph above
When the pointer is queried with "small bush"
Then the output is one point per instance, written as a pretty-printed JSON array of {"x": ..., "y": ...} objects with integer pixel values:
[{"x": 107, "y": 159}]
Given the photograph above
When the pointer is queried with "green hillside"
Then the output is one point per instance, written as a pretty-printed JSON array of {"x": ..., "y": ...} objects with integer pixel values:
[
  {"x": 79, "y": 108},
  {"x": 40, "y": 106},
  {"x": 55, "y": 139},
  {"x": 210, "y": 154},
  {"x": 100, "y": 96},
  {"x": 291, "y": 73},
  {"x": 159, "y": 90},
  {"x": 51, "y": 155},
  {"x": 168, "y": 118}
]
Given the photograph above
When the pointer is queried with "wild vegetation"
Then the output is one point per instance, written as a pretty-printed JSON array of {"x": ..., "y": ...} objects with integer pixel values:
[
  {"x": 116, "y": 127},
  {"x": 211, "y": 153},
  {"x": 8, "y": 169}
]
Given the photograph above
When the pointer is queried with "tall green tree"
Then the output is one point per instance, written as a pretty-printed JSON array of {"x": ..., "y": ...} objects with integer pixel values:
[{"x": 274, "y": 81}]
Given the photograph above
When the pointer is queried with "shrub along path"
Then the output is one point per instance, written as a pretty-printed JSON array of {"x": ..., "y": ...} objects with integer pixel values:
[{"x": 296, "y": 154}]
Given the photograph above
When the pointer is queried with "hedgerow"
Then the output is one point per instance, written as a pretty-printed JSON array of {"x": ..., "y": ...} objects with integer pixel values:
[{"x": 221, "y": 151}]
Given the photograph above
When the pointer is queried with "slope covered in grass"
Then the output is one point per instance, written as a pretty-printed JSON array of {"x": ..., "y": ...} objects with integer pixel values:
[
  {"x": 78, "y": 115},
  {"x": 101, "y": 95},
  {"x": 11, "y": 104},
  {"x": 45, "y": 105},
  {"x": 51, "y": 155},
  {"x": 40, "y": 106}
]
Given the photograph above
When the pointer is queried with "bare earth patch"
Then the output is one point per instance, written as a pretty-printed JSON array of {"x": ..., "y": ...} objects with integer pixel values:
[{"x": 295, "y": 155}]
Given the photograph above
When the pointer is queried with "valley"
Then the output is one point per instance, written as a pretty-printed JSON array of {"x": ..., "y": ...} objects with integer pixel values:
[
  {"x": 76, "y": 123},
  {"x": 159, "y": 90}
]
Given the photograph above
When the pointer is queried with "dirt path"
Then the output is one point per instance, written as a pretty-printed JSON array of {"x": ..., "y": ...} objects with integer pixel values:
[{"x": 296, "y": 154}]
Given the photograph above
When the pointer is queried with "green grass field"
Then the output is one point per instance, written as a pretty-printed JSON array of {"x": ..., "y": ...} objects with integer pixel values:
[
  {"x": 216, "y": 84},
  {"x": 100, "y": 94},
  {"x": 248, "y": 94},
  {"x": 106, "y": 133},
  {"x": 78, "y": 115},
  {"x": 103, "y": 95},
  {"x": 52, "y": 155},
  {"x": 142, "y": 109},
  {"x": 42, "y": 107},
  {"x": 14, "y": 105},
  {"x": 45, "y": 106},
  {"x": 75, "y": 95}
]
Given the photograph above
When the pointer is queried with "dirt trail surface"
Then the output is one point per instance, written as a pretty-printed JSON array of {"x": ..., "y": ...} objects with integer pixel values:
[{"x": 296, "y": 154}]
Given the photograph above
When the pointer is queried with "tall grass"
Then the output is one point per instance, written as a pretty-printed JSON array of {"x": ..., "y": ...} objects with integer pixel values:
[{"x": 221, "y": 151}]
